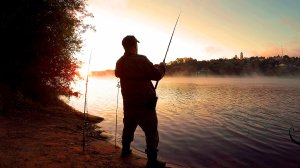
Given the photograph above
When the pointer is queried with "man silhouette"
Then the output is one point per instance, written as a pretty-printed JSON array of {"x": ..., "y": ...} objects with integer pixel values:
[{"x": 139, "y": 99}]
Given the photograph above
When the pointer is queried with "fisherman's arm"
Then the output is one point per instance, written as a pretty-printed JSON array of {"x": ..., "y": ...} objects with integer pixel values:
[{"x": 154, "y": 72}]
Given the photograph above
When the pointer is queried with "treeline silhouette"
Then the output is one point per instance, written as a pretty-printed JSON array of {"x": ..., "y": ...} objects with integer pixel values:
[
  {"x": 38, "y": 41},
  {"x": 266, "y": 66}
]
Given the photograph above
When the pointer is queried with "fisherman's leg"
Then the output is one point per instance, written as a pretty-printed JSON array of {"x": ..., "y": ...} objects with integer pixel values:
[
  {"x": 149, "y": 125},
  {"x": 128, "y": 134}
]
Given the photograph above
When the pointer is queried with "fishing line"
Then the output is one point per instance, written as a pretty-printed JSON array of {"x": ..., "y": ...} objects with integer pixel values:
[{"x": 116, "y": 127}]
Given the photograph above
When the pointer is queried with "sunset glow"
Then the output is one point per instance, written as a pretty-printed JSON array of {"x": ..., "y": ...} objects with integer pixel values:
[{"x": 206, "y": 30}]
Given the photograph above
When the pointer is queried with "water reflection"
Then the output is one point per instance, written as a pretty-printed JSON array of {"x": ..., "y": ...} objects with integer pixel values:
[{"x": 214, "y": 122}]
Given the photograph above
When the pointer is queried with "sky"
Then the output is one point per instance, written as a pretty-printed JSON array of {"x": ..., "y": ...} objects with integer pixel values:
[{"x": 207, "y": 29}]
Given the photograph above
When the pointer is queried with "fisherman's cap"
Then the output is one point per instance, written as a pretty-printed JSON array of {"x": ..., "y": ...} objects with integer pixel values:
[{"x": 129, "y": 40}]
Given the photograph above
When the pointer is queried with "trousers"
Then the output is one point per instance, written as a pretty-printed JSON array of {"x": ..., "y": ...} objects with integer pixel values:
[{"x": 144, "y": 117}]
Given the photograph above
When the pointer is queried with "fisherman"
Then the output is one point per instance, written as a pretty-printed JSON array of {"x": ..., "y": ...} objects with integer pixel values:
[{"x": 139, "y": 99}]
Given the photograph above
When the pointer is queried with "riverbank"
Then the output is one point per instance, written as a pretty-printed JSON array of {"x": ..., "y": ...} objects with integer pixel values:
[{"x": 52, "y": 137}]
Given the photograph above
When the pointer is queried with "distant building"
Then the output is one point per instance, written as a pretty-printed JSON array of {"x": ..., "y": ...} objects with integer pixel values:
[
  {"x": 235, "y": 56},
  {"x": 241, "y": 55}
]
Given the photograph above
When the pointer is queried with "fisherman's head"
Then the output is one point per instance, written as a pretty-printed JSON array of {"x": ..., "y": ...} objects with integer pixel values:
[{"x": 130, "y": 44}]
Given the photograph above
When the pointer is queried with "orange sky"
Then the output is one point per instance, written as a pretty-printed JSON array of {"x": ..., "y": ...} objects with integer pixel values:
[{"x": 207, "y": 29}]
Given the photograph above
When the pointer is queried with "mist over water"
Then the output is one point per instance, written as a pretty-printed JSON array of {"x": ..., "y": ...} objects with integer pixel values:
[{"x": 213, "y": 122}]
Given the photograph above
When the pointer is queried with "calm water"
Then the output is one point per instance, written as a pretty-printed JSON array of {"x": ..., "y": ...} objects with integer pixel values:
[{"x": 213, "y": 122}]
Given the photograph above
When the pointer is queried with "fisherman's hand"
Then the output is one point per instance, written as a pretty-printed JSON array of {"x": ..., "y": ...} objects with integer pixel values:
[
  {"x": 162, "y": 64},
  {"x": 162, "y": 67}
]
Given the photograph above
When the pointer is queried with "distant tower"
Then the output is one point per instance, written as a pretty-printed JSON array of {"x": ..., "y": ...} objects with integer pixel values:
[
  {"x": 235, "y": 56},
  {"x": 241, "y": 55}
]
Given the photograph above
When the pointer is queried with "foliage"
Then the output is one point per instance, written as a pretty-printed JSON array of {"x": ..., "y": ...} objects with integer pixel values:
[
  {"x": 39, "y": 39},
  {"x": 270, "y": 66},
  {"x": 182, "y": 66}
]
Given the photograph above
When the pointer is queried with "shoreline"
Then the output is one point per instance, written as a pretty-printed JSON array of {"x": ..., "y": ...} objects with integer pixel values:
[{"x": 52, "y": 137}]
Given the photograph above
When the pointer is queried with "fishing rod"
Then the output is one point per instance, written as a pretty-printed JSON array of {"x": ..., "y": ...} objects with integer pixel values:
[
  {"x": 85, "y": 104},
  {"x": 169, "y": 44}
]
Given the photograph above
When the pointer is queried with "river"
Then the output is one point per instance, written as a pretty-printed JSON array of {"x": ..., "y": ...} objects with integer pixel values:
[{"x": 212, "y": 122}]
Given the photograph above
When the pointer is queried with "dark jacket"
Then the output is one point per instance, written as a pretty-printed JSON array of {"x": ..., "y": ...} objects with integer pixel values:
[{"x": 135, "y": 73}]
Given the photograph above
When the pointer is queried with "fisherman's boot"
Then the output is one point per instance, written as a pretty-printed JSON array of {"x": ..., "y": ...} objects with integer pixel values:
[
  {"x": 153, "y": 162},
  {"x": 126, "y": 151}
]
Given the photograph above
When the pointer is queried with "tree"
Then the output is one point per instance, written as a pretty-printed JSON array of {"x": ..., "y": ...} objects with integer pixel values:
[
  {"x": 270, "y": 66},
  {"x": 40, "y": 38},
  {"x": 182, "y": 66}
]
